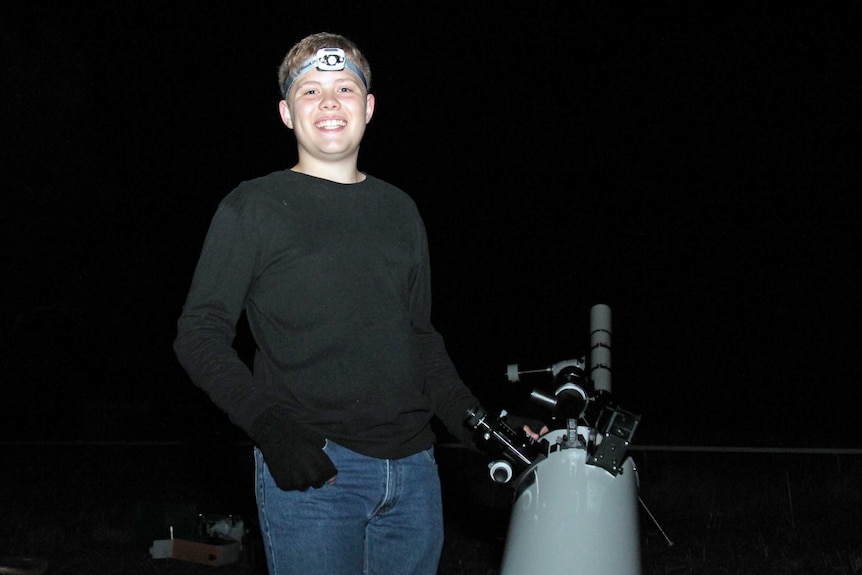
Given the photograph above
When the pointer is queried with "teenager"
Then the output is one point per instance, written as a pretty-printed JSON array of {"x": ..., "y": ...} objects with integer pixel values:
[{"x": 331, "y": 267}]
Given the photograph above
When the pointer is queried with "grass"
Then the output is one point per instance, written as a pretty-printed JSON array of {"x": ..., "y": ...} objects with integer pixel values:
[
  {"x": 753, "y": 513},
  {"x": 81, "y": 508}
]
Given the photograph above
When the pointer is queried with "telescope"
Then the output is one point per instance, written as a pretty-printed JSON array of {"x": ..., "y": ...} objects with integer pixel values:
[{"x": 575, "y": 506}]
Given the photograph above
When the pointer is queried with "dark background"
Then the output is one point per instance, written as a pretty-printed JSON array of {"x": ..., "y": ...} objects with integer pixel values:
[{"x": 692, "y": 165}]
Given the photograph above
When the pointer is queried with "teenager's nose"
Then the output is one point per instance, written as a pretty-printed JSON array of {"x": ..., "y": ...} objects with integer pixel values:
[{"x": 329, "y": 101}]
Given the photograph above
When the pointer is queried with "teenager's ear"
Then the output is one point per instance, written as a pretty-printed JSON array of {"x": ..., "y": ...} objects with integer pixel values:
[
  {"x": 369, "y": 107},
  {"x": 284, "y": 112}
]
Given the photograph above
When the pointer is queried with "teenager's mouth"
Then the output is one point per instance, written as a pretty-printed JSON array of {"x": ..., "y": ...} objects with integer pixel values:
[{"x": 330, "y": 124}]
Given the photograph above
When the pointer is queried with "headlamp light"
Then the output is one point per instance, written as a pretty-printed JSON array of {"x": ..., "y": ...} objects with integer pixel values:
[
  {"x": 326, "y": 60},
  {"x": 330, "y": 59}
]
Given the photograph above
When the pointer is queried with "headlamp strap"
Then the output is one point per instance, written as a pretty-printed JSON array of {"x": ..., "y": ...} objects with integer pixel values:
[{"x": 326, "y": 60}]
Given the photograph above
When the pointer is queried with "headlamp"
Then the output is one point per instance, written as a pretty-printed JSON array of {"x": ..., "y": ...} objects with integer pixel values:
[
  {"x": 330, "y": 59},
  {"x": 326, "y": 60}
]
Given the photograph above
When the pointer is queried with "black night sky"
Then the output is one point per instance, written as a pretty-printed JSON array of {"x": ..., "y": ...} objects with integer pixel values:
[{"x": 692, "y": 165}]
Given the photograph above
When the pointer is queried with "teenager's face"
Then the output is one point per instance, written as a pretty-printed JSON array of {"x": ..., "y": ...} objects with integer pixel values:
[{"x": 328, "y": 112}]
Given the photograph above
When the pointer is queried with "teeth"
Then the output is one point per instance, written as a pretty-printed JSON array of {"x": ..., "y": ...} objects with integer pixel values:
[{"x": 331, "y": 124}]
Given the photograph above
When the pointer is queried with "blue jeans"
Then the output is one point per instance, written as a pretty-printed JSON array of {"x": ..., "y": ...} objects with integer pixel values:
[{"x": 380, "y": 517}]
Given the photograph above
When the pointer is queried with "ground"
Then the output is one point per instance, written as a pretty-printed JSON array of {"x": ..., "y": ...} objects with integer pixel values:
[{"x": 93, "y": 509}]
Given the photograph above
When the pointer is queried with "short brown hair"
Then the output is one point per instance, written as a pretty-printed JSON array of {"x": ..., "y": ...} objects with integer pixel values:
[{"x": 308, "y": 47}]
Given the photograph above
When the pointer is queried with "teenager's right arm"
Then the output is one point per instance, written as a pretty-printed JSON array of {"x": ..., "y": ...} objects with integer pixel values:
[{"x": 207, "y": 326}]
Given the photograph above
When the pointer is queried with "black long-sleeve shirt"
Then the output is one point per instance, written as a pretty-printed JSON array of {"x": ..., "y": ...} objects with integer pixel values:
[{"x": 335, "y": 282}]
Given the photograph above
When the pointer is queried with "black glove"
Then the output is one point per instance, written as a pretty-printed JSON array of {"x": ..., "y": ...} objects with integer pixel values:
[{"x": 293, "y": 453}]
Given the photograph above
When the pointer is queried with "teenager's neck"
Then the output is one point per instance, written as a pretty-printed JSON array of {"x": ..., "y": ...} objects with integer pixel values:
[{"x": 341, "y": 172}]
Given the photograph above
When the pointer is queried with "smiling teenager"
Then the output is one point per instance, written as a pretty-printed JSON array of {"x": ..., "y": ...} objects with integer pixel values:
[{"x": 331, "y": 267}]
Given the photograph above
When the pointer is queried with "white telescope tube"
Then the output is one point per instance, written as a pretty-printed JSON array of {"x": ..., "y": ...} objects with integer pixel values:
[{"x": 574, "y": 518}]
